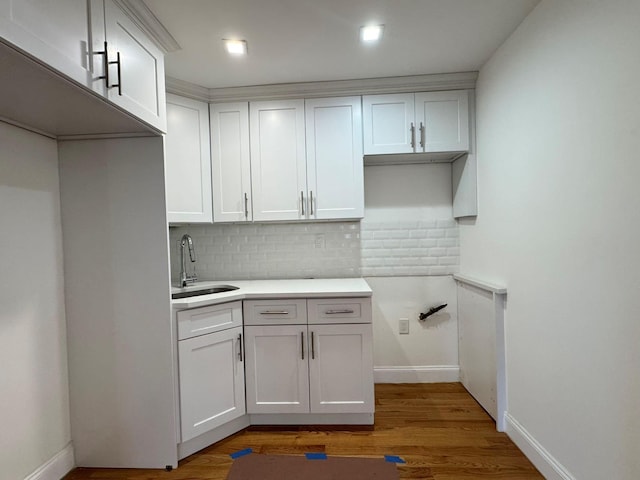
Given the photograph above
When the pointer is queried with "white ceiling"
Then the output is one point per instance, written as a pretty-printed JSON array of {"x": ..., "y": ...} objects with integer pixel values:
[{"x": 312, "y": 40}]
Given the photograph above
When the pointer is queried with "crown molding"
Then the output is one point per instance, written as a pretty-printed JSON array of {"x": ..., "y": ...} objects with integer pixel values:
[
  {"x": 138, "y": 11},
  {"x": 368, "y": 86},
  {"x": 187, "y": 89}
]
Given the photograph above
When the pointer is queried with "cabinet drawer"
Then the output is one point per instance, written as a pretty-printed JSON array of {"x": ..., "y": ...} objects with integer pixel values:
[
  {"x": 339, "y": 310},
  {"x": 203, "y": 320},
  {"x": 275, "y": 312}
]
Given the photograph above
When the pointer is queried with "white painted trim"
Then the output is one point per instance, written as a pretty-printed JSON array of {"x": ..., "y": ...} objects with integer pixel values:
[
  {"x": 489, "y": 287},
  {"x": 336, "y": 88},
  {"x": 27, "y": 127},
  {"x": 144, "y": 18},
  {"x": 311, "y": 418},
  {"x": 551, "y": 468},
  {"x": 100, "y": 136},
  {"x": 186, "y": 89},
  {"x": 419, "y": 374},
  {"x": 209, "y": 438},
  {"x": 57, "y": 467}
]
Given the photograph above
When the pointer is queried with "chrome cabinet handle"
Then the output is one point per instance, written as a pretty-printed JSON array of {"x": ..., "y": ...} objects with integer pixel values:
[
  {"x": 240, "y": 346},
  {"x": 119, "y": 84},
  {"x": 246, "y": 205},
  {"x": 313, "y": 348},
  {"x": 338, "y": 312},
  {"x": 105, "y": 53},
  {"x": 311, "y": 202},
  {"x": 302, "y": 202},
  {"x": 302, "y": 344},
  {"x": 275, "y": 312},
  {"x": 422, "y": 135},
  {"x": 413, "y": 136}
]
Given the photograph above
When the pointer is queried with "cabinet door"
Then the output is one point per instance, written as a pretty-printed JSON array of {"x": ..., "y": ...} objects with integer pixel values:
[
  {"x": 276, "y": 369},
  {"x": 230, "y": 162},
  {"x": 55, "y": 32},
  {"x": 188, "y": 164},
  {"x": 387, "y": 122},
  {"x": 341, "y": 368},
  {"x": 211, "y": 381},
  {"x": 278, "y": 164},
  {"x": 141, "y": 79},
  {"x": 334, "y": 158},
  {"x": 443, "y": 121}
]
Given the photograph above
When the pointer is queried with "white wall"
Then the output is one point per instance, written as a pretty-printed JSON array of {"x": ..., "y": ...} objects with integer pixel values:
[
  {"x": 34, "y": 399},
  {"x": 558, "y": 122},
  {"x": 396, "y": 198}
]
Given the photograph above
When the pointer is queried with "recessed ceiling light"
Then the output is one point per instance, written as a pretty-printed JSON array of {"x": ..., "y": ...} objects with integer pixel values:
[
  {"x": 371, "y": 33},
  {"x": 237, "y": 48}
]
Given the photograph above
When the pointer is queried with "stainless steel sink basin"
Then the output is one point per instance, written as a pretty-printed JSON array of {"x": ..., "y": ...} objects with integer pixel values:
[{"x": 204, "y": 291}]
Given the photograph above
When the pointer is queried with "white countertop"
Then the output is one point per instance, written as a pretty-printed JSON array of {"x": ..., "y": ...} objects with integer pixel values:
[{"x": 260, "y": 289}]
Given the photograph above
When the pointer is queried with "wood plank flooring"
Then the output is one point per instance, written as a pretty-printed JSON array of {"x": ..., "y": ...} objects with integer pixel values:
[{"x": 438, "y": 429}]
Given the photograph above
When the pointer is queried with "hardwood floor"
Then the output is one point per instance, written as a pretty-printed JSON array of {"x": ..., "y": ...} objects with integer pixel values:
[{"x": 438, "y": 429}]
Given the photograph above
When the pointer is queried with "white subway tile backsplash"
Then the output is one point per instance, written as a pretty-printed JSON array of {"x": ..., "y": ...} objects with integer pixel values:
[{"x": 252, "y": 251}]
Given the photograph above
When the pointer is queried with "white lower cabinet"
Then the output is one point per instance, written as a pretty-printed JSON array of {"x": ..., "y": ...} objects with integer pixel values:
[
  {"x": 293, "y": 360},
  {"x": 211, "y": 368},
  {"x": 315, "y": 368},
  {"x": 340, "y": 368},
  {"x": 277, "y": 375}
]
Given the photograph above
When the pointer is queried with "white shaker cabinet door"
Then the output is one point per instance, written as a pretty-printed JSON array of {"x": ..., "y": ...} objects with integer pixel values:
[
  {"x": 278, "y": 164},
  {"x": 211, "y": 381},
  {"x": 341, "y": 368},
  {"x": 276, "y": 369},
  {"x": 334, "y": 158},
  {"x": 140, "y": 72},
  {"x": 388, "y": 124},
  {"x": 443, "y": 121},
  {"x": 188, "y": 164},
  {"x": 230, "y": 162},
  {"x": 56, "y": 32}
]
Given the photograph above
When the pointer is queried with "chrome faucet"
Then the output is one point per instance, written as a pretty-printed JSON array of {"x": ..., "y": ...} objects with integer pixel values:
[{"x": 185, "y": 278}]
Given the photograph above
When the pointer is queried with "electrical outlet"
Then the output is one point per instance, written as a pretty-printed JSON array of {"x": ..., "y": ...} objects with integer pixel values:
[
  {"x": 320, "y": 241},
  {"x": 404, "y": 326}
]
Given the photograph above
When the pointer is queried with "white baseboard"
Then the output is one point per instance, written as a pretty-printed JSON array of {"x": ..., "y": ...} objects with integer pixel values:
[
  {"x": 419, "y": 374},
  {"x": 550, "y": 468},
  {"x": 57, "y": 467}
]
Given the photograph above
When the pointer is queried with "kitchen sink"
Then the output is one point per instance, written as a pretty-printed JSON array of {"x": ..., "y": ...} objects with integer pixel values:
[{"x": 204, "y": 291}]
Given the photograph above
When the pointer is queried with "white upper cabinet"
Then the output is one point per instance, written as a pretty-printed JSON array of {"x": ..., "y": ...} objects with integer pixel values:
[
  {"x": 443, "y": 119},
  {"x": 387, "y": 123},
  {"x": 69, "y": 36},
  {"x": 55, "y": 32},
  {"x": 136, "y": 68},
  {"x": 334, "y": 158},
  {"x": 187, "y": 159},
  {"x": 278, "y": 165},
  {"x": 430, "y": 122},
  {"x": 287, "y": 160},
  {"x": 230, "y": 162}
]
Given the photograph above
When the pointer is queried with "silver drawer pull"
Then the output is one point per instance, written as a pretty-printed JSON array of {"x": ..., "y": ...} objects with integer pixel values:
[
  {"x": 338, "y": 312},
  {"x": 275, "y": 312}
]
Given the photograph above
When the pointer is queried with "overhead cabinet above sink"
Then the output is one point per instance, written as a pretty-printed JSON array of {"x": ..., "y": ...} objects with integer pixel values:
[{"x": 431, "y": 126}]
